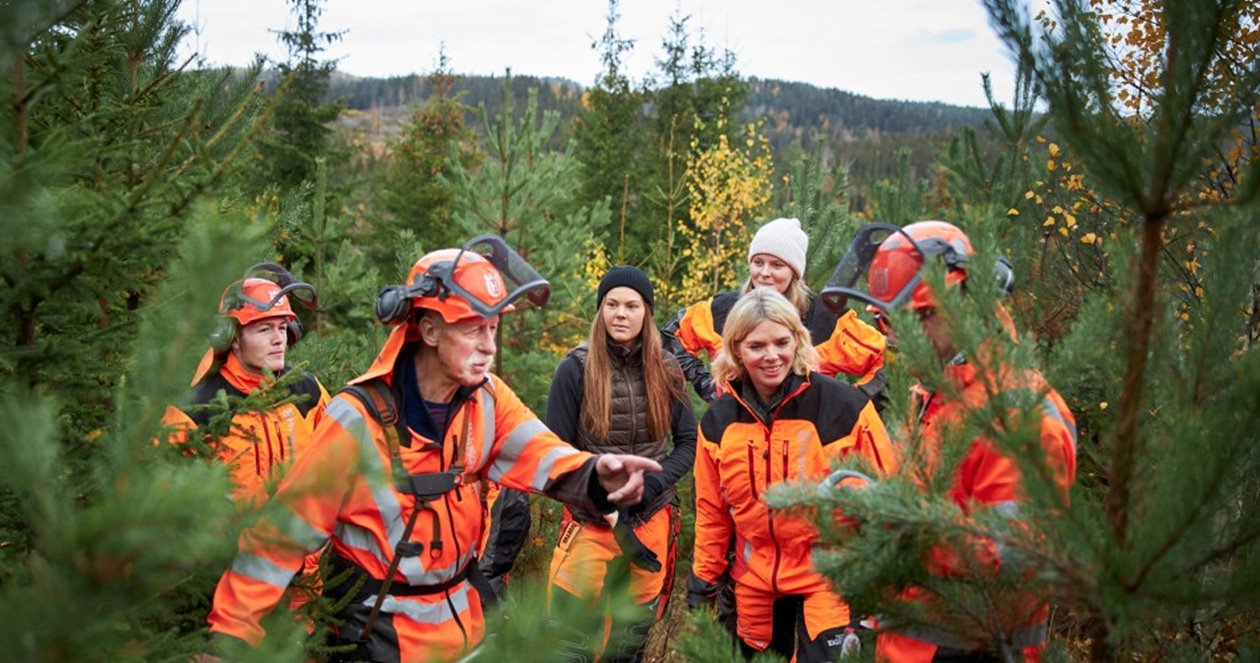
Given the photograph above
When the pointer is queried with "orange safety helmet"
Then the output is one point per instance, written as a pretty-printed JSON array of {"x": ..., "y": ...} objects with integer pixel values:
[
  {"x": 891, "y": 261},
  {"x": 263, "y": 293},
  {"x": 464, "y": 283}
]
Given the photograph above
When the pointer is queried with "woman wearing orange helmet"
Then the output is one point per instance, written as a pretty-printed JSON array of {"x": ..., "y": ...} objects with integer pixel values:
[
  {"x": 884, "y": 268},
  {"x": 778, "y": 420}
]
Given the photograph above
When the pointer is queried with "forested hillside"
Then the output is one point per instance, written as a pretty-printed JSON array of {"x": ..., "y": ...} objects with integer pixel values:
[
  {"x": 1118, "y": 185},
  {"x": 866, "y": 133}
]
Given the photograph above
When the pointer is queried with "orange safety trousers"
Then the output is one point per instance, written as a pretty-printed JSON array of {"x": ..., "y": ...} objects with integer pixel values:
[
  {"x": 896, "y": 648},
  {"x": 584, "y": 551}
]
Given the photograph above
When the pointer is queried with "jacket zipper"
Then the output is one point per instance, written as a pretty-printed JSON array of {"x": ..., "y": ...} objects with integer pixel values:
[
  {"x": 778, "y": 553},
  {"x": 752, "y": 470},
  {"x": 859, "y": 342}
]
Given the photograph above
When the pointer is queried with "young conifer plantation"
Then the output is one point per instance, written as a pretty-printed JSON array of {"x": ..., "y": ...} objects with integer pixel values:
[{"x": 1120, "y": 182}]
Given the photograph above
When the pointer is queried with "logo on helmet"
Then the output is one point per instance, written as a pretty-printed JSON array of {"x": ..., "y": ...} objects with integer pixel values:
[
  {"x": 879, "y": 282},
  {"x": 494, "y": 284}
]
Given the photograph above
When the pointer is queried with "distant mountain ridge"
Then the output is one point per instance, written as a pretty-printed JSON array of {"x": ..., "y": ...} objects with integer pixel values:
[
  {"x": 863, "y": 133},
  {"x": 790, "y": 108}
]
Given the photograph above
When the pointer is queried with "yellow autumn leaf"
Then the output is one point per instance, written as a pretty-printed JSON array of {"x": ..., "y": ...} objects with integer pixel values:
[
  {"x": 1049, "y": 221},
  {"x": 1102, "y": 405},
  {"x": 1069, "y": 220},
  {"x": 1054, "y": 150},
  {"x": 1012, "y": 212},
  {"x": 1051, "y": 165},
  {"x": 1088, "y": 238},
  {"x": 1063, "y": 231},
  {"x": 1029, "y": 194}
]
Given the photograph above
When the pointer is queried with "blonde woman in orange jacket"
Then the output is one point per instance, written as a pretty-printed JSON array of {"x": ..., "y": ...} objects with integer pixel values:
[{"x": 778, "y": 420}]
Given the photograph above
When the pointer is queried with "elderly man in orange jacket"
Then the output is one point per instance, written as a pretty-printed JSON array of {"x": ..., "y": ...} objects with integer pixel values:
[
  {"x": 394, "y": 475},
  {"x": 884, "y": 268}
]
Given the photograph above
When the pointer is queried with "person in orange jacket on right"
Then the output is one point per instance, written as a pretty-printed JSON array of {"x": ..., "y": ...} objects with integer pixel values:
[
  {"x": 883, "y": 268},
  {"x": 777, "y": 420}
]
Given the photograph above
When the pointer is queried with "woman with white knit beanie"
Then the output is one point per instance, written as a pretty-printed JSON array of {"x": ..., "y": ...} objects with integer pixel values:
[{"x": 776, "y": 258}]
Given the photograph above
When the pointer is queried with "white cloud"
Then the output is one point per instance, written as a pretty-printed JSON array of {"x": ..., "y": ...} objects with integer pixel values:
[{"x": 928, "y": 50}]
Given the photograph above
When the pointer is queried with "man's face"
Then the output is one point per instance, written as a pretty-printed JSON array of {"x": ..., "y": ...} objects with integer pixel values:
[
  {"x": 261, "y": 344},
  {"x": 466, "y": 348}
]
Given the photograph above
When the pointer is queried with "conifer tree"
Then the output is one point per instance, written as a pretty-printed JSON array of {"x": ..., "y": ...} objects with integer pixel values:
[
  {"x": 1155, "y": 555},
  {"x": 111, "y": 151},
  {"x": 300, "y": 129},
  {"x": 610, "y": 144},
  {"x": 528, "y": 195},
  {"x": 436, "y": 142}
]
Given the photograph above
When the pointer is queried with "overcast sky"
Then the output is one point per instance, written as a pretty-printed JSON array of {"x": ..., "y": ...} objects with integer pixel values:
[{"x": 924, "y": 50}]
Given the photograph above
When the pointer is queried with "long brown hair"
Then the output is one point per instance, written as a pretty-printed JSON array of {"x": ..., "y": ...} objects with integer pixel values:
[{"x": 663, "y": 380}]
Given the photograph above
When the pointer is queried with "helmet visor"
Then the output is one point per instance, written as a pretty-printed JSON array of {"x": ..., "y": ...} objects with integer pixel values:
[
  {"x": 881, "y": 268},
  {"x": 486, "y": 295},
  {"x": 289, "y": 287}
]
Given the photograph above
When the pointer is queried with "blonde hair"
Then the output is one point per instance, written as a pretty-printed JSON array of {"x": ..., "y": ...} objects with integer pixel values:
[
  {"x": 797, "y": 293},
  {"x": 662, "y": 381},
  {"x": 752, "y": 308}
]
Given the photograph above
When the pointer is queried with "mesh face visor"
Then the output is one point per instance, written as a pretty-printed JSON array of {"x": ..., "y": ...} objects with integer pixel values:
[
  {"x": 238, "y": 297},
  {"x": 881, "y": 268},
  {"x": 487, "y": 295}
]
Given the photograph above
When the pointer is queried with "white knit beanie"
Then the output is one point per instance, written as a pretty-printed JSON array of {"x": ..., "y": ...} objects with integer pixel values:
[{"x": 783, "y": 239}]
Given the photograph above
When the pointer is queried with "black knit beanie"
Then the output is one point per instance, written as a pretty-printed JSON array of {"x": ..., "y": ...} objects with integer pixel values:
[{"x": 631, "y": 277}]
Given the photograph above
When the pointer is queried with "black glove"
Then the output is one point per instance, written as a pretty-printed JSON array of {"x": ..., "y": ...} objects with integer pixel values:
[
  {"x": 700, "y": 593},
  {"x": 634, "y": 550},
  {"x": 653, "y": 486}
]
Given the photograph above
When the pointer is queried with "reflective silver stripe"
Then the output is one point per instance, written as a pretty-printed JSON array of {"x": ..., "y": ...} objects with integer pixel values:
[
  {"x": 298, "y": 530},
  {"x": 262, "y": 569},
  {"x": 1053, "y": 411},
  {"x": 803, "y": 438},
  {"x": 358, "y": 538},
  {"x": 353, "y": 536},
  {"x": 487, "y": 403},
  {"x": 1007, "y": 509},
  {"x": 1025, "y": 636},
  {"x": 438, "y": 612},
  {"x": 514, "y": 445},
  {"x": 417, "y": 576},
  {"x": 388, "y": 505},
  {"x": 543, "y": 475},
  {"x": 380, "y": 482},
  {"x": 746, "y": 553}
]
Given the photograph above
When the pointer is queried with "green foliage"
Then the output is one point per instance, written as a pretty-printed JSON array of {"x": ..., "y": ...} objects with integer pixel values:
[
  {"x": 105, "y": 153},
  {"x": 300, "y": 134},
  {"x": 436, "y": 142},
  {"x": 527, "y": 195}
]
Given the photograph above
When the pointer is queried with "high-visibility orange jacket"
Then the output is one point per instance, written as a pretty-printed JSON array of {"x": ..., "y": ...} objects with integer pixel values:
[
  {"x": 259, "y": 442},
  {"x": 356, "y": 488},
  {"x": 986, "y": 477},
  {"x": 740, "y": 455},
  {"x": 845, "y": 343}
]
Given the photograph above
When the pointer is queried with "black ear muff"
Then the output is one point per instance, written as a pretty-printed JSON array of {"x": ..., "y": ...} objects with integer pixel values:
[
  {"x": 393, "y": 304},
  {"x": 223, "y": 333},
  {"x": 1004, "y": 272},
  {"x": 293, "y": 332}
]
